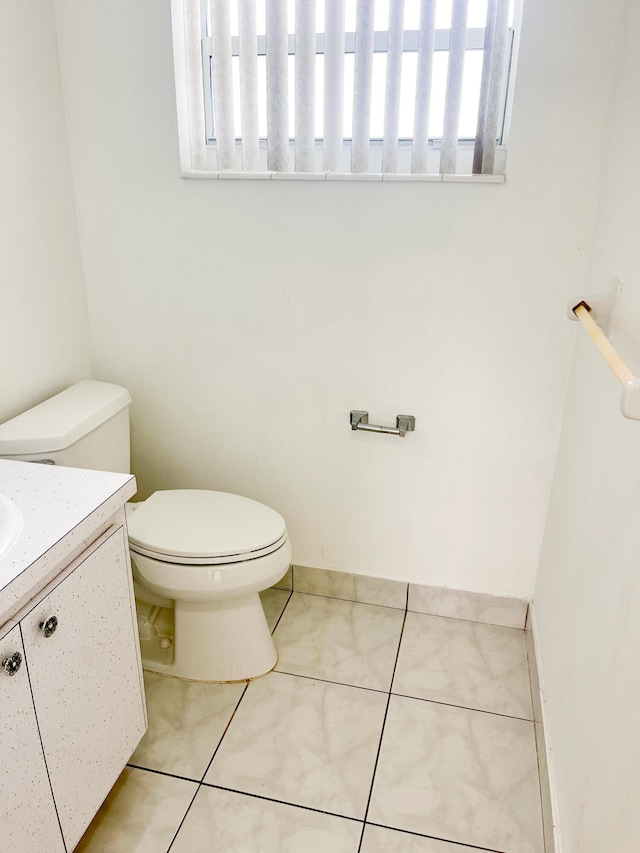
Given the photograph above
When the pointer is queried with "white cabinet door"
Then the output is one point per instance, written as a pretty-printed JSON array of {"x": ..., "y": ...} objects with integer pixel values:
[
  {"x": 86, "y": 683},
  {"x": 28, "y": 820}
]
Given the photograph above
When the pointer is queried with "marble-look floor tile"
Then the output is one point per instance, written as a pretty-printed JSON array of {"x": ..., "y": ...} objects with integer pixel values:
[
  {"x": 225, "y": 821},
  {"x": 341, "y": 641},
  {"x": 461, "y": 775},
  {"x": 345, "y": 585},
  {"x": 464, "y": 663},
  {"x": 140, "y": 815},
  {"x": 379, "y": 839},
  {"x": 304, "y": 742},
  {"x": 186, "y": 721},
  {"x": 273, "y": 602}
]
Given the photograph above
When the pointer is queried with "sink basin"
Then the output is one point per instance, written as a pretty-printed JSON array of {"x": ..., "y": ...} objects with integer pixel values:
[{"x": 11, "y": 523}]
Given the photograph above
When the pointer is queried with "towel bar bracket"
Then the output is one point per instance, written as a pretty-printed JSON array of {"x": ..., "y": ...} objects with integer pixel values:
[
  {"x": 630, "y": 400},
  {"x": 602, "y": 306}
]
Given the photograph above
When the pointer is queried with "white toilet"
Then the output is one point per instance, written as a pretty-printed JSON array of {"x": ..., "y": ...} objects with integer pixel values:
[{"x": 200, "y": 558}]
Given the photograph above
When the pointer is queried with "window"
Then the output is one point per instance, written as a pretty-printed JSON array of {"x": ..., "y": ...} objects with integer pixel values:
[{"x": 369, "y": 89}]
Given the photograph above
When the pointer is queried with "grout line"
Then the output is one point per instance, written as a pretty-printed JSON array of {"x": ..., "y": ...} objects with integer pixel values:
[
  {"x": 290, "y": 591},
  {"x": 163, "y": 773},
  {"x": 200, "y": 783},
  {"x": 463, "y": 707},
  {"x": 395, "y": 663},
  {"x": 280, "y": 802},
  {"x": 384, "y": 721},
  {"x": 405, "y": 608},
  {"x": 215, "y": 751},
  {"x": 328, "y": 681},
  {"x": 351, "y": 600},
  {"x": 436, "y": 838},
  {"x": 463, "y": 619},
  {"x": 184, "y": 817},
  {"x": 401, "y": 695}
]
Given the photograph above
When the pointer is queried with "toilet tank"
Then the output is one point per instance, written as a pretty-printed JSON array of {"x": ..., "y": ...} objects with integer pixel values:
[{"x": 85, "y": 426}]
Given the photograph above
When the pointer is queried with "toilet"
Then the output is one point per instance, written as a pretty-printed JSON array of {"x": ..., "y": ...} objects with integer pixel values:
[{"x": 200, "y": 558}]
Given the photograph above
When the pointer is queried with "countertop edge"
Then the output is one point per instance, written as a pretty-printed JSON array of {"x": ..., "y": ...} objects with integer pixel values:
[{"x": 28, "y": 581}]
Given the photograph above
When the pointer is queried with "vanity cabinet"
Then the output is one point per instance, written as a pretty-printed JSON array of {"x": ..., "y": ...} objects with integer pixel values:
[
  {"x": 78, "y": 705},
  {"x": 28, "y": 818}
]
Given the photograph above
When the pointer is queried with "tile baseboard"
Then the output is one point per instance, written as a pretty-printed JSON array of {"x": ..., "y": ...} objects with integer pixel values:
[
  {"x": 472, "y": 606},
  {"x": 436, "y": 601},
  {"x": 361, "y": 588},
  {"x": 544, "y": 771},
  {"x": 285, "y": 582}
]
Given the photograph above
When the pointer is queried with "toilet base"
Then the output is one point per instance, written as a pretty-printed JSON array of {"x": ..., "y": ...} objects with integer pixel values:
[{"x": 217, "y": 641}]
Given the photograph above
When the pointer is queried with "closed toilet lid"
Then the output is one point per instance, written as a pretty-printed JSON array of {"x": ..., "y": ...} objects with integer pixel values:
[{"x": 197, "y": 524}]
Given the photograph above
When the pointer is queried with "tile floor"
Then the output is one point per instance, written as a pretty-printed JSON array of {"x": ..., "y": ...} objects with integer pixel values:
[{"x": 378, "y": 732}]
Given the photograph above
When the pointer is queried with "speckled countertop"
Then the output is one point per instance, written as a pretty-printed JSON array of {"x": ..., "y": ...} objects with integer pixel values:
[{"x": 64, "y": 510}]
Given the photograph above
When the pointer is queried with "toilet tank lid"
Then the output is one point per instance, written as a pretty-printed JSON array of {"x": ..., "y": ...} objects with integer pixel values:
[{"x": 60, "y": 421}]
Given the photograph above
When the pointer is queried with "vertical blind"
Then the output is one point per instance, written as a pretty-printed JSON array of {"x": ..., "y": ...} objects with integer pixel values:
[{"x": 318, "y": 68}]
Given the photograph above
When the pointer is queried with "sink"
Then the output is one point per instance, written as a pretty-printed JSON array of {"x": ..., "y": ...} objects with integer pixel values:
[{"x": 11, "y": 523}]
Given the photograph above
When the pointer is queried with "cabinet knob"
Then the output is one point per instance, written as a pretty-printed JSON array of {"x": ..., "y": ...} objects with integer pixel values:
[
  {"x": 48, "y": 627},
  {"x": 12, "y": 665}
]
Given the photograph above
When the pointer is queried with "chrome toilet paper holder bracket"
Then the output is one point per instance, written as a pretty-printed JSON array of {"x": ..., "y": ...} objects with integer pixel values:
[{"x": 404, "y": 424}]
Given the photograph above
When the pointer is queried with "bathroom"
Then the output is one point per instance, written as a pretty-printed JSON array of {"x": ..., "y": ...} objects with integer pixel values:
[{"x": 248, "y": 318}]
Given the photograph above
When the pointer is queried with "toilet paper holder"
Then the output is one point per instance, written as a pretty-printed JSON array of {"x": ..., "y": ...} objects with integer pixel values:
[{"x": 404, "y": 424}]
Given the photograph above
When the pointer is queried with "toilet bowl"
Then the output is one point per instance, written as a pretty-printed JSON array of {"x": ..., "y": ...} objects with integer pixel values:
[{"x": 207, "y": 555}]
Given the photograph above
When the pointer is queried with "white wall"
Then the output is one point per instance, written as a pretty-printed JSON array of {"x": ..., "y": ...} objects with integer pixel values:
[
  {"x": 44, "y": 344},
  {"x": 247, "y": 319},
  {"x": 587, "y": 596}
]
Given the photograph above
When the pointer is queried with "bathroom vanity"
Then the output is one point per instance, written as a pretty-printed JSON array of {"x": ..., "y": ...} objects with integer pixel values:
[{"x": 72, "y": 707}]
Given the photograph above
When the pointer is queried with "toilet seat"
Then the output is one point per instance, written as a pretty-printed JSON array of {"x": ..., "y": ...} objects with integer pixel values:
[
  {"x": 204, "y": 527},
  {"x": 181, "y": 560}
]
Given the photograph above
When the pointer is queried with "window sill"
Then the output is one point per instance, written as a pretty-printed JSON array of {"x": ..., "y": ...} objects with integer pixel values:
[{"x": 387, "y": 177}]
